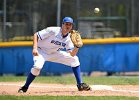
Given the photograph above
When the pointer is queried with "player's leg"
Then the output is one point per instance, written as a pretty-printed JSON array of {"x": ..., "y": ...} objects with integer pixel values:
[
  {"x": 29, "y": 80},
  {"x": 67, "y": 59},
  {"x": 81, "y": 86},
  {"x": 35, "y": 71},
  {"x": 77, "y": 71}
]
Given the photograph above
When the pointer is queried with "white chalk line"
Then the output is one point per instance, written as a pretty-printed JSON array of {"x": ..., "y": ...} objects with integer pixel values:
[
  {"x": 110, "y": 88},
  {"x": 94, "y": 87}
]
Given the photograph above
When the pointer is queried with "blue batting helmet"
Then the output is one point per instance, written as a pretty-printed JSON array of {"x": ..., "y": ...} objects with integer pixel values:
[{"x": 67, "y": 19}]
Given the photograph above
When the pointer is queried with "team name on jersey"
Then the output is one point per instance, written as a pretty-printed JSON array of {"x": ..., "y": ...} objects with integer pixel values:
[{"x": 58, "y": 43}]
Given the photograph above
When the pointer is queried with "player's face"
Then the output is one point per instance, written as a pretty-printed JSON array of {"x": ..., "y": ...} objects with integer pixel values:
[{"x": 66, "y": 27}]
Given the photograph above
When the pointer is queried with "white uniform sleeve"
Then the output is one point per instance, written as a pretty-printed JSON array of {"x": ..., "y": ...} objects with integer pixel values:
[{"x": 44, "y": 33}]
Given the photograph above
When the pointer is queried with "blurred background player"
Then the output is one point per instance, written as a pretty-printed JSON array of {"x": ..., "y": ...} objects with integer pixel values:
[{"x": 54, "y": 44}]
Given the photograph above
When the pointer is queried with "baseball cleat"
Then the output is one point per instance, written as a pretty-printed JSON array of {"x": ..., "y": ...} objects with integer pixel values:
[
  {"x": 83, "y": 87},
  {"x": 22, "y": 90}
]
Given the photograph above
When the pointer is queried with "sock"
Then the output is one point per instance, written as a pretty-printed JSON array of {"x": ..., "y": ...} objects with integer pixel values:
[
  {"x": 77, "y": 71},
  {"x": 29, "y": 80}
]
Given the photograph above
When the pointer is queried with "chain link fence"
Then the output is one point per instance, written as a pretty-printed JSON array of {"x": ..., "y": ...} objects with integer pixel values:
[{"x": 19, "y": 19}]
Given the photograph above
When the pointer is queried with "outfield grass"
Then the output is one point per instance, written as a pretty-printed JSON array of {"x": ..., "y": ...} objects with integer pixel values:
[{"x": 113, "y": 80}]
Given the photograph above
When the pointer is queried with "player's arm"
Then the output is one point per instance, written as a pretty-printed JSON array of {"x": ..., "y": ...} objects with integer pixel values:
[
  {"x": 74, "y": 51},
  {"x": 35, "y": 41}
]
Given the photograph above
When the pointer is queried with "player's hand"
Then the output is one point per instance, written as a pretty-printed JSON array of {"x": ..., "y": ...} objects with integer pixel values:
[
  {"x": 35, "y": 52},
  {"x": 76, "y": 38},
  {"x": 74, "y": 51}
]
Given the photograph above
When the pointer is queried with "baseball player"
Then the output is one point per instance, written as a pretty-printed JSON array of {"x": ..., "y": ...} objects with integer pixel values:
[{"x": 54, "y": 44}]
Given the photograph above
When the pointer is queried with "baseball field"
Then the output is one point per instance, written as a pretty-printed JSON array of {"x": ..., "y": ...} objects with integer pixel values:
[{"x": 64, "y": 88}]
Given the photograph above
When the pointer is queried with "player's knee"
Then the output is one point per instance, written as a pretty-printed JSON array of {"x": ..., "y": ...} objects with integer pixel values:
[
  {"x": 76, "y": 65},
  {"x": 35, "y": 71},
  {"x": 75, "y": 62}
]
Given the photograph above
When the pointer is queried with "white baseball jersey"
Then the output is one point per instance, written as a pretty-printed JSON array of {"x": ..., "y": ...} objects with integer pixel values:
[
  {"x": 51, "y": 40},
  {"x": 52, "y": 46}
]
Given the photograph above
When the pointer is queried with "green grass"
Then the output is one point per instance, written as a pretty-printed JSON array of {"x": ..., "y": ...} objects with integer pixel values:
[
  {"x": 67, "y": 98},
  {"x": 132, "y": 80}
]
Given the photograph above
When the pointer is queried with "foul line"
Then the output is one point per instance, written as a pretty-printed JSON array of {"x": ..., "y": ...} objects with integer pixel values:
[
  {"x": 94, "y": 87},
  {"x": 110, "y": 88}
]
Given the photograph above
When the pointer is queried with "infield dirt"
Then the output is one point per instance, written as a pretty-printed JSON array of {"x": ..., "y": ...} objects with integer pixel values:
[{"x": 11, "y": 88}]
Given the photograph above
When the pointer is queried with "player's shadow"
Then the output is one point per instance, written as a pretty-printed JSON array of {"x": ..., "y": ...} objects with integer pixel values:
[{"x": 57, "y": 92}]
